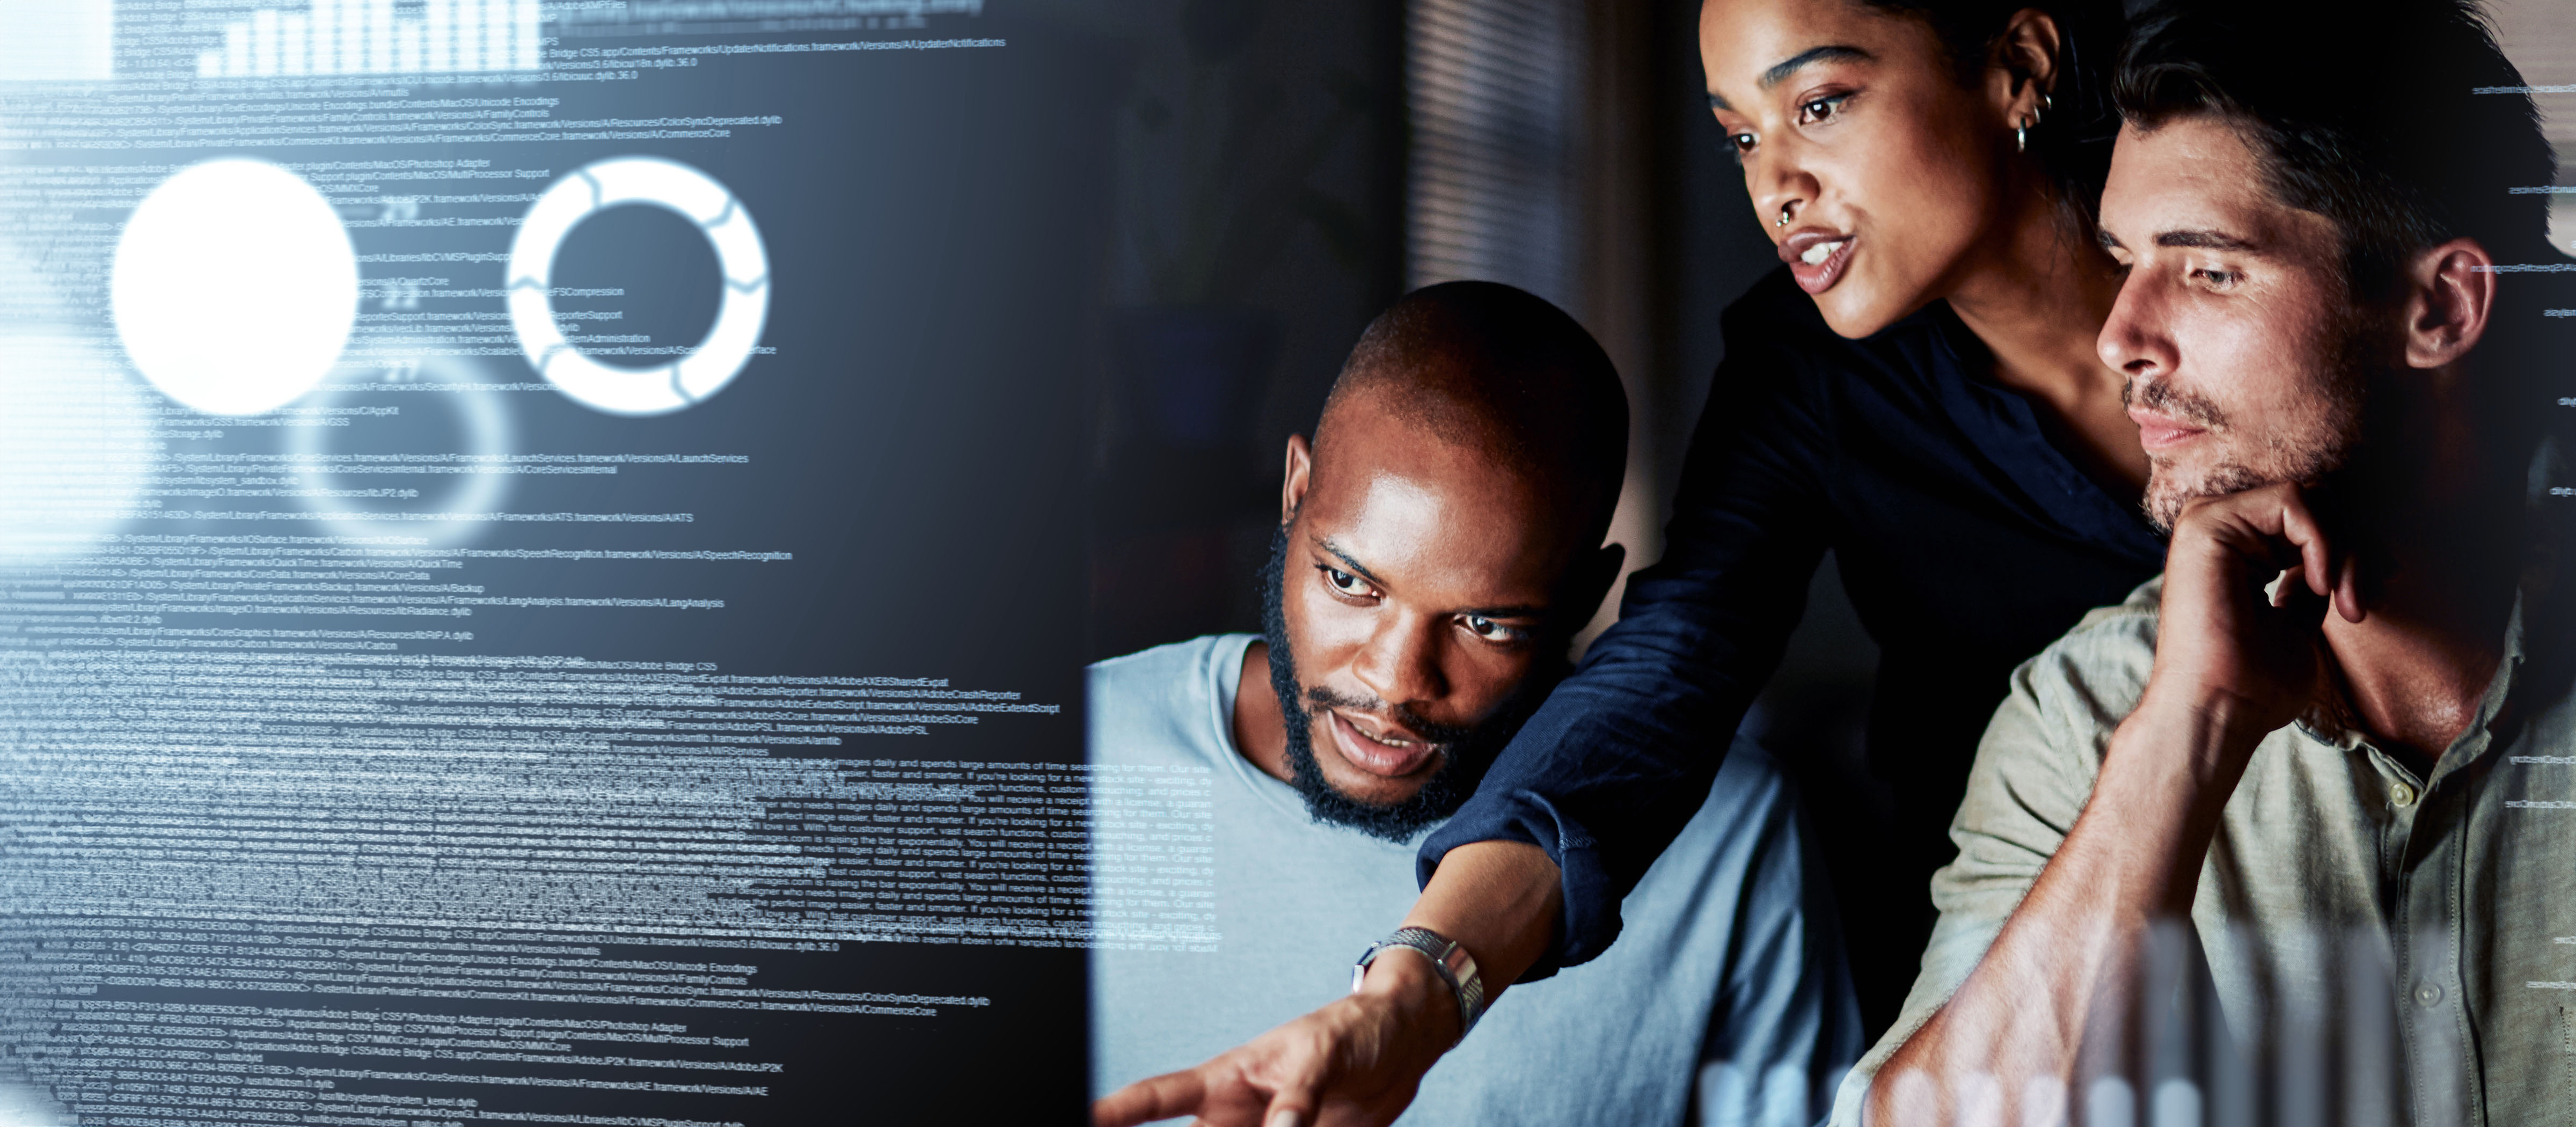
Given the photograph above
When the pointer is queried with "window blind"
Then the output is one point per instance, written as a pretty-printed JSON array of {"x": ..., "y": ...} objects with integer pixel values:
[{"x": 1493, "y": 93}]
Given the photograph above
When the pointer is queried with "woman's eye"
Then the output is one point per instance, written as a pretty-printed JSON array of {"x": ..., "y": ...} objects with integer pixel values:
[
  {"x": 1820, "y": 108},
  {"x": 1741, "y": 142}
]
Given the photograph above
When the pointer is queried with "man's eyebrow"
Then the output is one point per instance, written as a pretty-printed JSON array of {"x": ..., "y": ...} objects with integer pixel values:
[
  {"x": 1781, "y": 70},
  {"x": 1357, "y": 568},
  {"x": 1517, "y": 610},
  {"x": 2209, "y": 240}
]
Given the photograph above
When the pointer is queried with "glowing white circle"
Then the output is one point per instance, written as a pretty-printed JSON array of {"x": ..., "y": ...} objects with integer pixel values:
[
  {"x": 673, "y": 187},
  {"x": 234, "y": 287},
  {"x": 483, "y": 484}
]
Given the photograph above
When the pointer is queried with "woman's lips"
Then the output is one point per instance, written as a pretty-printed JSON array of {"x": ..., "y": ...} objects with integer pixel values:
[
  {"x": 1378, "y": 757},
  {"x": 1817, "y": 258}
]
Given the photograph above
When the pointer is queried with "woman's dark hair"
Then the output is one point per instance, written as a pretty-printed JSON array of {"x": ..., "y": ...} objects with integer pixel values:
[{"x": 2073, "y": 139}]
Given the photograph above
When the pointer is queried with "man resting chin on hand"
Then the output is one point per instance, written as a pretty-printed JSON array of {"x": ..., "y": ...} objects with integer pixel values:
[{"x": 2337, "y": 739}]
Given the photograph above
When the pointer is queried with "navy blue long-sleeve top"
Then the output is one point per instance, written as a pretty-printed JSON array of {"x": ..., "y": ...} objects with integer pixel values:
[{"x": 1966, "y": 540}]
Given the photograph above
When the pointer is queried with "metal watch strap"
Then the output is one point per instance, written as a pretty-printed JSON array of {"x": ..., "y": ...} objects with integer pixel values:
[{"x": 1449, "y": 960}]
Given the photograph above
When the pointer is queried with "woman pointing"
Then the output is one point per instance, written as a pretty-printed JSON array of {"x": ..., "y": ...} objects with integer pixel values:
[{"x": 1917, "y": 391}]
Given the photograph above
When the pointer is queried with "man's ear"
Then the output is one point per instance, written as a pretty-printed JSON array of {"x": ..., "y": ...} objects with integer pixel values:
[
  {"x": 2450, "y": 293},
  {"x": 1301, "y": 469},
  {"x": 1591, "y": 582}
]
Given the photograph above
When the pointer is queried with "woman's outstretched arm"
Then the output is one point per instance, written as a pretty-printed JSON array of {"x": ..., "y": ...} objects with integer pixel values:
[{"x": 1529, "y": 875}]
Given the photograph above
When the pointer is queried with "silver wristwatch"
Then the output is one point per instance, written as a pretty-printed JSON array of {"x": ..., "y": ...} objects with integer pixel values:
[{"x": 1449, "y": 960}]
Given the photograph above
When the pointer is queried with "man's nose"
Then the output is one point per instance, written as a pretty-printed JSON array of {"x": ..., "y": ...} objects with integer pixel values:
[
  {"x": 2136, "y": 339},
  {"x": 1401, "y": 662}
]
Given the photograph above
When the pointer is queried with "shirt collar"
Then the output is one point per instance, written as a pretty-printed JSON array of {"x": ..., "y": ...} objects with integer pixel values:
[{"x": 2329, "y": 722}]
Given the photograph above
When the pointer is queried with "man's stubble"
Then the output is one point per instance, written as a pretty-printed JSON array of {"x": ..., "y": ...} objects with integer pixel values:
[
  {"x": 1465, "y": 753},
  {"x": 2325, "y": 443}
]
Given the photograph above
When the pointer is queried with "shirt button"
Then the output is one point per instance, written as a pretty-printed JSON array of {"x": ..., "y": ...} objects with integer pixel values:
[
  {"x": 2428, "y": 995},
  {"x": 2399, "y": 794}
]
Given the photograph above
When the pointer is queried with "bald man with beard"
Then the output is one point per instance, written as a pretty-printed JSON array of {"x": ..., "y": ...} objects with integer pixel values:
[{"x": 1439, "y": 543}]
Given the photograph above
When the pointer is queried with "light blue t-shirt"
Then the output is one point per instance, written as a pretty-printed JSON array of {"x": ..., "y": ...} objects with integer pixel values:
[{"x": 1226, "y": 910}]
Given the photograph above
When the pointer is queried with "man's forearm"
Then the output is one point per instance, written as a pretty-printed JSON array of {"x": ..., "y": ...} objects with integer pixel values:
[
  {"x": 1500, "y": 900},
  {"x": 2133, "y": 857}
]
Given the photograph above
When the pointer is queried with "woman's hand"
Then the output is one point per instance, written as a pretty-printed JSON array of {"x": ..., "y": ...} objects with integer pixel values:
[
  {"x": 1354, "y": 1063},
  {"x": 1357, "y": 1062}
]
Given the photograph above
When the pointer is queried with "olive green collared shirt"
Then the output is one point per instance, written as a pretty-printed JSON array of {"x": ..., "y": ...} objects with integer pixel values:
[{"x": 2383, "y": 946}]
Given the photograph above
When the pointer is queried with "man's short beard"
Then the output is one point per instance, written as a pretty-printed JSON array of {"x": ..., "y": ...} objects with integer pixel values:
[
  {"x": 1464, "y": 753},
  {"x": 2166, "y": 496},
  {"x": 2357, "y": 364}
]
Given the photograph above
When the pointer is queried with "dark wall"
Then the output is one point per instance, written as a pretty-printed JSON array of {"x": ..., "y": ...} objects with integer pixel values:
[{"x": 1261, "y": 150}]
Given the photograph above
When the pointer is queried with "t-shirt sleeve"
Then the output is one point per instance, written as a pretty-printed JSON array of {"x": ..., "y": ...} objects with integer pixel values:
[
  {"x": 1605, "y": 774},
  {"x": 2033, "y": 774}
]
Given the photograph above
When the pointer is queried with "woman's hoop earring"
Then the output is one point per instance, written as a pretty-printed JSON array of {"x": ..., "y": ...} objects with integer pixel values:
[{"x": 2021, "y": 132}]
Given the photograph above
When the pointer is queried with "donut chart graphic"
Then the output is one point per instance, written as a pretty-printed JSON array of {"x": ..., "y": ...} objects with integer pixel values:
[{"x": 674, "y": 187}]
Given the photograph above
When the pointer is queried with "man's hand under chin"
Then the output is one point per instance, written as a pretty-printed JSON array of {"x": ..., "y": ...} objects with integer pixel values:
[
  {"x": 2226, "y": 654},
  {"x": 2232, "y": 664},
  {"x": 1353, "y": 1063}
]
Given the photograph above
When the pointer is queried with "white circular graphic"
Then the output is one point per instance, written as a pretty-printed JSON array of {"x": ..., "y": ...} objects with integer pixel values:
[
  {"x": 479, "y": 477},
  {"x": 234, "y": 287},
  {"x": 674, "y": 187}
]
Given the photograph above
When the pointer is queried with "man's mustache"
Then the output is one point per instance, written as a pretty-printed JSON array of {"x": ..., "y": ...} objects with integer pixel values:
[
  {"x": 2180, "y": 406},
  {"x": 1320, "y": 698}
]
